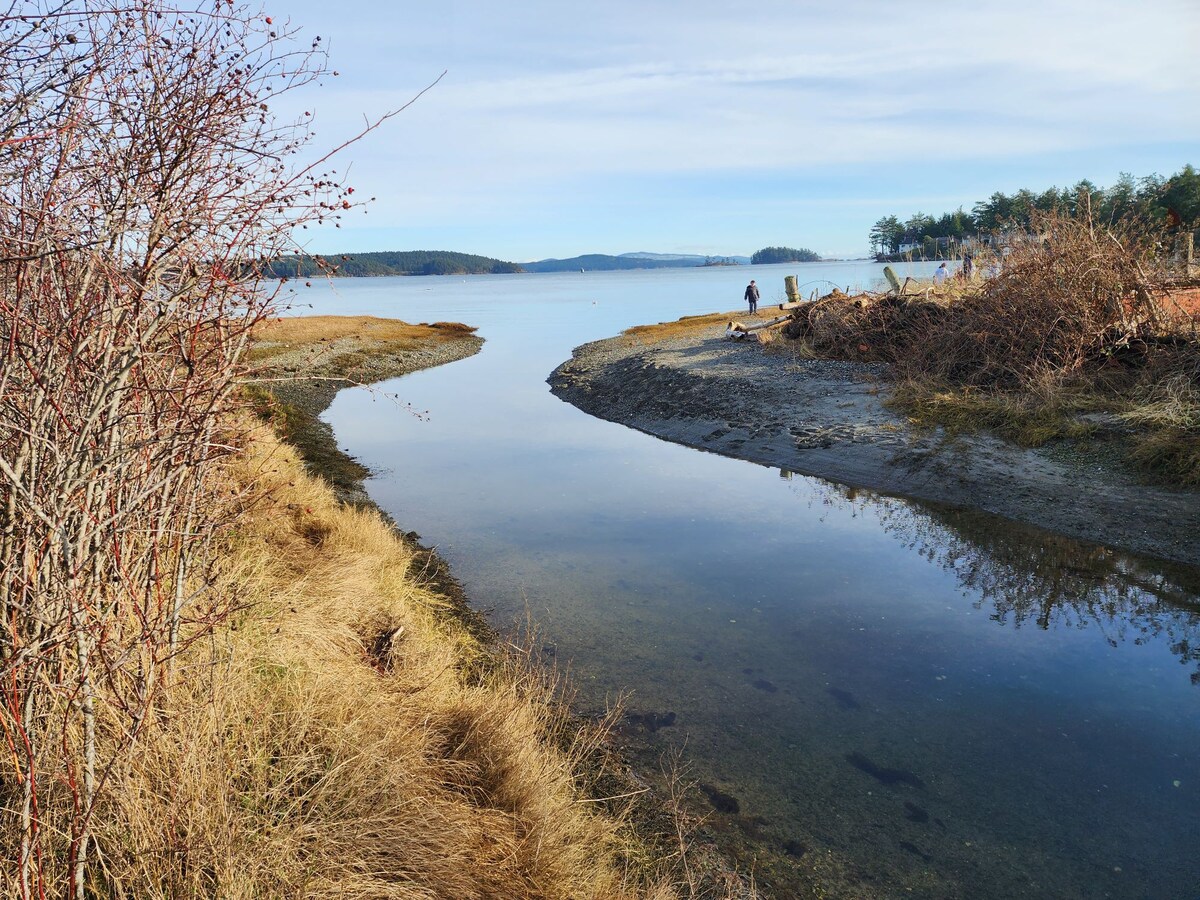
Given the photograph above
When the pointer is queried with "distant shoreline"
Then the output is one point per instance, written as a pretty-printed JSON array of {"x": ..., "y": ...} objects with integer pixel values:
[
  {"x": 373, "y": 264},
  {"x": 822, "y": 261}
]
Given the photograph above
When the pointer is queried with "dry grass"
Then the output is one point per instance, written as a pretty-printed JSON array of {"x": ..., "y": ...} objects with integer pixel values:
[
  {"x": 1167, "y": 412},
  {"x": 297, "y": 331},
  {"x": 336, "y": 738},
  {"x": 1173, "y": 403},
  {"x": 1025, "y": 419},
  {"x": 681, "y": 327},
  {"x": 1173, "y": 454},
  {"x": 339, "y": 335}
]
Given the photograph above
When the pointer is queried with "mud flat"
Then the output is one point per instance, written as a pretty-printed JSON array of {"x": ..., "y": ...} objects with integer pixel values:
[{"x": 827, "y": 419}]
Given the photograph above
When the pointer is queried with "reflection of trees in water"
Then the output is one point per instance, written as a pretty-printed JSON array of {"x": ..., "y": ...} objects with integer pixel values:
[{"x": 1031, "y": 577}]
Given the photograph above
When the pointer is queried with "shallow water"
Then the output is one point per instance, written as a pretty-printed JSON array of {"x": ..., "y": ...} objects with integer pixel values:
[{"x": 909, "y": 699}]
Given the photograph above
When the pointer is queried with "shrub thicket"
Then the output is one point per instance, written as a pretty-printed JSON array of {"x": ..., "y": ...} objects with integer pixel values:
[
  {"x": 1073, "y": 314},
  {"x": 141, "y": 165}
]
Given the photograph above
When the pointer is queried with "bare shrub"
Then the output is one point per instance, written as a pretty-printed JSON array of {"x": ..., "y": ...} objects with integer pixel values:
[
  {"x": 142, "y": 169},
  {"x": 1072, "y": 294}
]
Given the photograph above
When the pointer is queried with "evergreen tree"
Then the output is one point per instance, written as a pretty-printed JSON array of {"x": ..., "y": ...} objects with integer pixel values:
[{"x": 769, "y": 255}]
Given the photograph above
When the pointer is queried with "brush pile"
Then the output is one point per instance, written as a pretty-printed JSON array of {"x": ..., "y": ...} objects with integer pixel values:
[{"x": 1072, "y": 297}]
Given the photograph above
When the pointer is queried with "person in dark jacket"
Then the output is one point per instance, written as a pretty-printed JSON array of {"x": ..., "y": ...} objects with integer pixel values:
[{"x": 752, "y": 295}]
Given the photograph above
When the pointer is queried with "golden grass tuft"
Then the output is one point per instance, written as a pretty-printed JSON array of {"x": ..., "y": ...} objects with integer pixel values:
[
  {"x": 1171, "y": 454},
  {"x": 680, "y": 327},
  {"x": 1026, "y": 420},
  {"x": 1167, "y": 412},
  {"x": 328, "y": 342},
  {"x": 299, "y": 331},
  {"x": 1173, "y": 403},
  {"x": 335, "y": 739}
]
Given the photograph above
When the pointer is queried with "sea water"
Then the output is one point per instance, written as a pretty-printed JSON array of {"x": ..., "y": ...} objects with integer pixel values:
[{"x": 889, "y": 697}]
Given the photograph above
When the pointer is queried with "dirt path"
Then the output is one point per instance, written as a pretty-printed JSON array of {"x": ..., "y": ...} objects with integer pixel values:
[{"x": 827, "y": 419}]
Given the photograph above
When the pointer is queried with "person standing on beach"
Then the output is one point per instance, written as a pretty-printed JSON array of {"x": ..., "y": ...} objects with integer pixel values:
[{"x": 752, "y": 296}]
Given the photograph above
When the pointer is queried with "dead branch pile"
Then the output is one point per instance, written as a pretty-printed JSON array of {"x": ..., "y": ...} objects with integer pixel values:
[
  {"x": 867, "y": 326},
  {"x": 1073, "y": 296}
]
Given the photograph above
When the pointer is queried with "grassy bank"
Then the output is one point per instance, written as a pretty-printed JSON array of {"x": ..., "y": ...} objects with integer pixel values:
[
  {"x": 340, "y": 735},
  {"x": 338, "y": 724},
  {"x": 651, "y": 837}
]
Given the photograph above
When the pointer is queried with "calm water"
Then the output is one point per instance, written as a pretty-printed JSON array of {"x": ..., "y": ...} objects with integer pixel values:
[{"x": 912, "y": 700}]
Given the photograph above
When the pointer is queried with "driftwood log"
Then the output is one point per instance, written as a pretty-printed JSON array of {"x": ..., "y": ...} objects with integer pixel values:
[{"x": 736, "y": 331}]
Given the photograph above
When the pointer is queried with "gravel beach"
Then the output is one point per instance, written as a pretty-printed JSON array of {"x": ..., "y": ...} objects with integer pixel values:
[{"x": 827, "y": 419}]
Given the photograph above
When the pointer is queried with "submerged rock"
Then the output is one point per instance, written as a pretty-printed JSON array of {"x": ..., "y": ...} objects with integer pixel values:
[
  {"x": 882, "y": 773},
  {"x": 845, "y": 699},
  {"x": 721, "y": 801}
]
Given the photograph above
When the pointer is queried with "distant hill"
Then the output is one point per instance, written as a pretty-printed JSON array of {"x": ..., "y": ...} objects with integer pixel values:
[
  {"x": 408, "y": 262},
  {"x": 599, "y": 262},
  {"x": 687, "y": 258},
  {"x": 447, "y": 262}
]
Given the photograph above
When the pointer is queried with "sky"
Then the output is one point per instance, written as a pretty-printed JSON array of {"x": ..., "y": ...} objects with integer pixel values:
[{"x": 720, "y": 128}]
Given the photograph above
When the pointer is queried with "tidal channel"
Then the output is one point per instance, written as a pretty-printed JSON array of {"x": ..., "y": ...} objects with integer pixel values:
[{"x": 891, "y": 697}]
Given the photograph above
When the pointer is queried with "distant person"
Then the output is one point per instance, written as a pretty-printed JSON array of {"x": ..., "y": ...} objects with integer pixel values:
[
  {"x": 752, "y": 296},
  {"x": 940, "y": 274},
  {"x": 968, "y": 268}
]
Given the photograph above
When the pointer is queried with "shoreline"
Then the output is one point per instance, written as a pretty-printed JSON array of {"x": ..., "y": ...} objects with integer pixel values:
[
  {"x": 618, "y": 787},
  {"x": 308, "y": 388},
  {"x": 827, "y": 419},
  {"x": 303, "y": 377}
]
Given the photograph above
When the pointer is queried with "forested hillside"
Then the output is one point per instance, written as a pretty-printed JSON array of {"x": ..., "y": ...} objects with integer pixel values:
[
  {"x": 770, "y": 255},
  {"x": 408, "y": 262}
]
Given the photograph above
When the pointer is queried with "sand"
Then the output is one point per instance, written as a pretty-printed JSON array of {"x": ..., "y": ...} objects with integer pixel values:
[{"x": 827, "y": 419}]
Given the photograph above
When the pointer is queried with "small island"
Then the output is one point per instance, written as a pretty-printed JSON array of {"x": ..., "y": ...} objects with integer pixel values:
[{"x": 770, "y": 255}]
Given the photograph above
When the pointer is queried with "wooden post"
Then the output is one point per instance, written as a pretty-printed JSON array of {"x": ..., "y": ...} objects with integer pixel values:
[
  {"x": 789, "y": 288},
  {"x": 1189, "y": 255}
]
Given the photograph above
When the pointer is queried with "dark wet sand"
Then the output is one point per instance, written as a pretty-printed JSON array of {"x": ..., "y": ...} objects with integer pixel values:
[{"x": 827, "y": 419}]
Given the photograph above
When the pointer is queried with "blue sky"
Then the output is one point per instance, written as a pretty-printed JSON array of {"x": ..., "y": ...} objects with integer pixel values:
[{"x": 718, "y": 127}]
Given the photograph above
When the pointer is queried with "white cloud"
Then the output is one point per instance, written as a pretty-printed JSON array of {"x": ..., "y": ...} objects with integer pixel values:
[{"x": 544, "y": 97}]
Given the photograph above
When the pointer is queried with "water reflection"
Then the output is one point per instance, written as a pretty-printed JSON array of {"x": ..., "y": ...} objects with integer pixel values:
[
  {"x": 1023, "y": 576},
  {"x": 926, "y": 750},
  {"x": 830, "y": 659}
]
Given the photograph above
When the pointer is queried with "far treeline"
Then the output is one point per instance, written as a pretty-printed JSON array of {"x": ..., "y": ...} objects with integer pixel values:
[
  {"x": 768, "y": 255},
  {"x": 1167, "y": 202},
  {"x": 409, "y": 262},
  {"x": 447, "y": 262}
]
